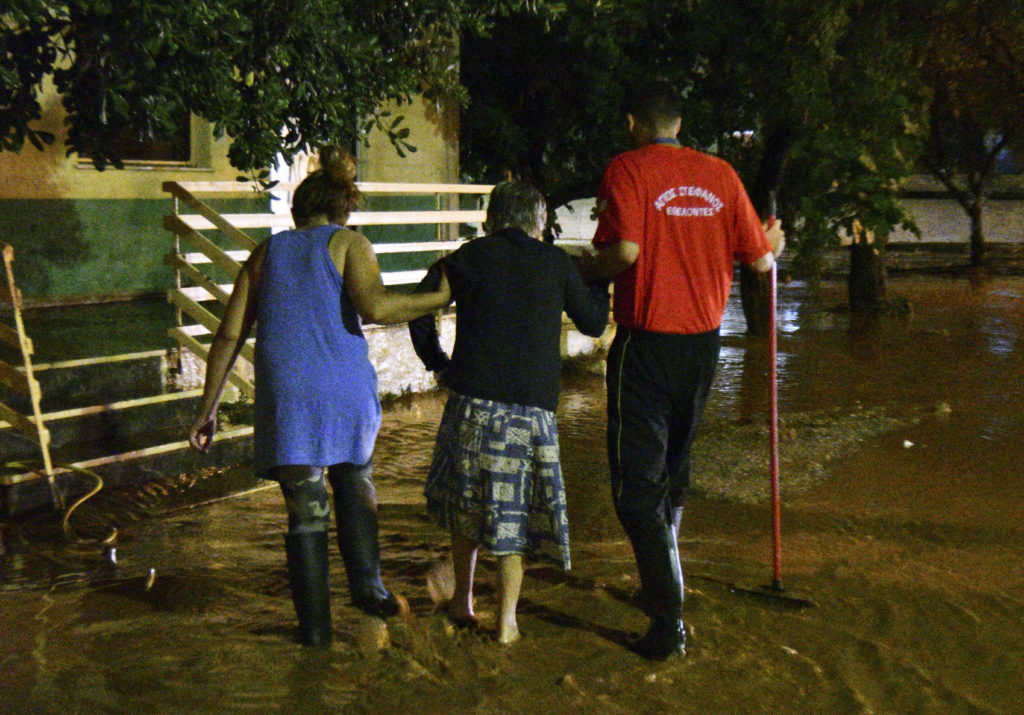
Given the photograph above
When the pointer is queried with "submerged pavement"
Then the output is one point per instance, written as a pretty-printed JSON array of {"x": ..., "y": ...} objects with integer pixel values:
[{"x": 902, "y": 495}]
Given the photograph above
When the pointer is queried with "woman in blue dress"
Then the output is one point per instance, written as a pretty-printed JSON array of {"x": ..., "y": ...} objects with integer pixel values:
[{"x": 316, "y": 409}]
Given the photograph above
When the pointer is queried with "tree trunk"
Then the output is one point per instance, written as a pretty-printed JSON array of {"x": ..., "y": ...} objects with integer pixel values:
[
  {"x": 755, "y": 287},
  {"x": 866, "y": 279},
  {"x": 755, "y": 296},
  {"x": 977, "y": 237}
]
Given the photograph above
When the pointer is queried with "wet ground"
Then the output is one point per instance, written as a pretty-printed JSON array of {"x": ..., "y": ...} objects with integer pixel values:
[{"x": 902, "y": 521}]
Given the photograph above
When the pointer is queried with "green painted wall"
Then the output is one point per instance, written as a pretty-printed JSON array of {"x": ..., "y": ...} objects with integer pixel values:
[
  {"x": 402, "y": 233},
  {"x": 69, "y": 248},
  {"x": 409, "y": 233}
]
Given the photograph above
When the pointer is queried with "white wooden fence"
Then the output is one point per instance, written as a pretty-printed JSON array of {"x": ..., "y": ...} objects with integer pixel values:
[{"x": 194, "y": 284}]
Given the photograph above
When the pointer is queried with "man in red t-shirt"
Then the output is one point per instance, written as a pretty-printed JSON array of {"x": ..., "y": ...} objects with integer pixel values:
[{"x": 671, "y": 223}]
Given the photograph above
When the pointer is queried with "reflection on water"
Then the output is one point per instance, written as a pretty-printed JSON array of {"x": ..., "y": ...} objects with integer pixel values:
[
  {"x": 902, "y": 497},
  {"x": 1002, "y": 336}
]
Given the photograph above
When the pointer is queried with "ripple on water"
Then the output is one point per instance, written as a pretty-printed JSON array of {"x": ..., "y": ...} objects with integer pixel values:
[{"x": 913, "y": 555}]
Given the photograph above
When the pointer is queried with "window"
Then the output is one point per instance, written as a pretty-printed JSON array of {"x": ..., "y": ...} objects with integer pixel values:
[
  {"x": 175, "y": 147},
  {"x": 187, "y": 146}
]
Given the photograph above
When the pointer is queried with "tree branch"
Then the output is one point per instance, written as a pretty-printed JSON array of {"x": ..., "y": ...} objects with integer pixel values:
[{"x": 959, "y": 194}]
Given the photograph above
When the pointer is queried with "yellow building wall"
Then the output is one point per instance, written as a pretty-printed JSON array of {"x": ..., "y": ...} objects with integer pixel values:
[
  {"x": 50, "y": 174},
  {"x": 433, "y": 130},
  {"x": 82, "y": 235}
]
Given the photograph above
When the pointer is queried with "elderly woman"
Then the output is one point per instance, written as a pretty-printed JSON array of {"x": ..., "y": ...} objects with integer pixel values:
[
  {"x": 317, "y": 412},
  {"x": 495, "y": 480}
]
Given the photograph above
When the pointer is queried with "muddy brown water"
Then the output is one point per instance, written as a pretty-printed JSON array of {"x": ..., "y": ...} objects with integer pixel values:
[{"x": 902, "y": 520}]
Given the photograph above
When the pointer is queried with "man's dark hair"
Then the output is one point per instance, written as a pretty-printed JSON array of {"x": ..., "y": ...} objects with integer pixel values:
[
  {"x": 515, "y": 204},
  {"x": 655, "y": 103}
]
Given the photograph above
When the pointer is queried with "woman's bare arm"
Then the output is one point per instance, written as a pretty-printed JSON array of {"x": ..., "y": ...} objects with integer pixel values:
[
  {"x": 239, "y": 315},
  {"x": 374, "y": 302}
]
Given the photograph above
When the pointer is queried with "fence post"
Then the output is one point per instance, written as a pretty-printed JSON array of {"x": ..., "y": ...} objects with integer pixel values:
[{"x": 25, "y": 380}]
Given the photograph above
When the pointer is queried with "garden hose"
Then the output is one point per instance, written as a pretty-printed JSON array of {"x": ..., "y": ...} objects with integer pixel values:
[{"x": 65, "y": 523}]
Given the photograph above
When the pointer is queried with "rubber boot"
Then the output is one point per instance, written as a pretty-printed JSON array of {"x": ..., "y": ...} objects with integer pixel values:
[
  {"x": 674, "y": 516},
  {"x": 675, "y": 520},
  {"x": 657, "y": 560},
  {"x": 355, "y": 511},
  {"x": 308, "y": 575}
]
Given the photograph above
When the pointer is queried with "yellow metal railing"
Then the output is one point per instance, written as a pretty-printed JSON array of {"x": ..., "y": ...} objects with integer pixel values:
[
  {"x": 194, "y": 284},
  {"x": 20, "y": 378}
]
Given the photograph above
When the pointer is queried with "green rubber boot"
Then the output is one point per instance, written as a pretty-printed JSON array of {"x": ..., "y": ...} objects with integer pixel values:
[{"x": 308, "y": 575}]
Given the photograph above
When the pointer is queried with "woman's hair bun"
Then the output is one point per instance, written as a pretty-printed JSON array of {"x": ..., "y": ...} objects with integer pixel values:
[
  {"x": 329, "y": 190},
  {"x": 338, "y": 164}
]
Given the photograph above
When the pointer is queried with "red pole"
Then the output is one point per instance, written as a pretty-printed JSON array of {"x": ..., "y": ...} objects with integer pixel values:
[{"x": 773, "y": 433}]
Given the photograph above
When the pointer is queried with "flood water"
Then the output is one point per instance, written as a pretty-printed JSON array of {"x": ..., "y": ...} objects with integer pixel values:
[{"x": 902, "y": 521}]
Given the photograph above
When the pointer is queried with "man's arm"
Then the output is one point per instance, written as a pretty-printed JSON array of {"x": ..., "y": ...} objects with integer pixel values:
[
  {"x": 777, "y": 240},
  {"x": 609, "y": 261},
  {"x": 617, "y": 238},
  {"x": 586, "y": 304}
]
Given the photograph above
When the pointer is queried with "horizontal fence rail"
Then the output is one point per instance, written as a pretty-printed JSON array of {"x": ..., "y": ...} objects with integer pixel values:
[{"x": 197, "y": 255}]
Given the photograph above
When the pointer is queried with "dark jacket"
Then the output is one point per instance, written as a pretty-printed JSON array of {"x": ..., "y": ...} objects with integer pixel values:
[{"x": 510, "y": 291}]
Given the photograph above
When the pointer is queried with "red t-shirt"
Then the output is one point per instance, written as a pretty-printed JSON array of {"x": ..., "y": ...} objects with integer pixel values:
[{"x": 692, "y": 218}]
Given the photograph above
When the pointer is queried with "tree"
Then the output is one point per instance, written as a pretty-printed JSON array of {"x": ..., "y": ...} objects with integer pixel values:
[
  {"x": 837, "y": 106},
  {"x": 275, "y": 75},
  {"x": 822, "y": 87},
  {"x": 973, "y": 57},
  {"x": 870, "y": 129},
  {"x": 547, "y": 112}
]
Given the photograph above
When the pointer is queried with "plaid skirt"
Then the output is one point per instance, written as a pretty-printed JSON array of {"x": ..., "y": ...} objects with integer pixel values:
[{"x": 496, "y": 479}]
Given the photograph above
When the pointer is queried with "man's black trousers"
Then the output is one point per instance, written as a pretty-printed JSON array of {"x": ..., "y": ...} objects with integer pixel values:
[{"x": 658, "y": 384}]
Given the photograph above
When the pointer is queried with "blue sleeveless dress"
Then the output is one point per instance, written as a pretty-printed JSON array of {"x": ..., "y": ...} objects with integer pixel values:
[{"x": 316, "y": 390}]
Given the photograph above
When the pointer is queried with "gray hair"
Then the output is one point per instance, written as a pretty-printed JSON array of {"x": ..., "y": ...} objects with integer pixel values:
[{"x": 516, "y": 204}]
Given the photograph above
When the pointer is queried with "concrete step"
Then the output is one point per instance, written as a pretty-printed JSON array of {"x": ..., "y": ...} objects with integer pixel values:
[
  {"x": 113, "y": 415},
  {"x": 139, "y": 420},
  {"x": 100, "y": 380},
  {"x": 24, "y": 491}
]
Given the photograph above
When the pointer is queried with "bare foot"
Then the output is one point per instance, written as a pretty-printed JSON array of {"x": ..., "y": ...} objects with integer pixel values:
[
  {"x": 508, "y": 634},
  {"x": 441, "y": 581},
  {"x": 403, "y": 605},
  {"x": 372, "y": 636},
  {"x": 461, "y": 617}
]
